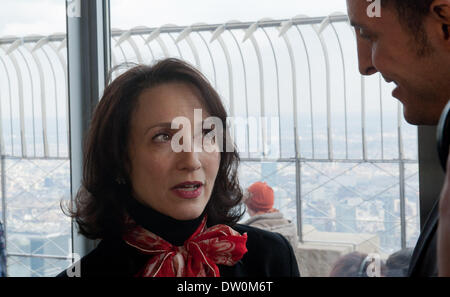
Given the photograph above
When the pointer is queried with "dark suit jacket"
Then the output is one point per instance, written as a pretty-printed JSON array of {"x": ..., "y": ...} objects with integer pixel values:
[
  {"x": 269, "y": 255},
  {"x": 424, "y": 259}
]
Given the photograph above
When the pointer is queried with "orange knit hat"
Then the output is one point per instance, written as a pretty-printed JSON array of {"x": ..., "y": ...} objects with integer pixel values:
[{"x": 260, "y": 197}]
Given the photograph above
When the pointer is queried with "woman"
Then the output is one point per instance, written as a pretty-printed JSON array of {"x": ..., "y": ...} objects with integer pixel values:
[{"x": 160, "y": 211}]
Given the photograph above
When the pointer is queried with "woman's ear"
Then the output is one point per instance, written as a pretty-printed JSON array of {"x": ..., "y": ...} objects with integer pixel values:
[{"x": 440, "y": 12}]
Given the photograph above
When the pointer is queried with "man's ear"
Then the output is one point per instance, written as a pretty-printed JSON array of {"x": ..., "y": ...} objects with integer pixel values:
[{"x": 440, "y": 12}]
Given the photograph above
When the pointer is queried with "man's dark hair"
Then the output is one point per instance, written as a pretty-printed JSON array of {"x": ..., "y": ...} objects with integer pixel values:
[
  {"x": 411, "y": 14},
  {"x": 354, "y": 264},
  {"x": 99, "y": 207},
  {"x": 398, "y": 263}
]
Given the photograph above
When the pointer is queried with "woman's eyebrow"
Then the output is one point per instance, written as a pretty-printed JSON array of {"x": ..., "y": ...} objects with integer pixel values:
[
  {"x": 159, "y": 125},
  {"x": 167, "y": 125}
]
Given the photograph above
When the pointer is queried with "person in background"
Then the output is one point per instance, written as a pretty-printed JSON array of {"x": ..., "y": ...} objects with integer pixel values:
[
  {"x": 259, "y": 201},
  {"x": 408, "y": 43},
  {"x": 162, "y": 203},
  {"x": 397, "y": 264},
  {"x": 2, "y": 252},
  {"x": 356, "y": 264}
]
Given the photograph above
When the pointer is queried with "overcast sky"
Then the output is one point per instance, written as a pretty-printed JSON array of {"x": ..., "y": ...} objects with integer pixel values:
[{"x": 26, "y": 17}]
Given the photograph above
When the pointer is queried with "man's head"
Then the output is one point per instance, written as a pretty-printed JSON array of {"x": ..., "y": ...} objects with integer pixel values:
[
  {"x": 260, "y": 199},
  {"x": 409, "y": 44}
]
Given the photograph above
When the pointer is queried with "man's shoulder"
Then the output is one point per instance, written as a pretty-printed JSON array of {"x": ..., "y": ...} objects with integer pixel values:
[
  {"x": 424, "y": 259},
  {"x": 266, "y": 218},
  {"x": 263, "y": 238}
]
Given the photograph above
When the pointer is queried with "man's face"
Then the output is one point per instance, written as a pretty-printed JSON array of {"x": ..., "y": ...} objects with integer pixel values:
[{"x": 387, "y": 46}]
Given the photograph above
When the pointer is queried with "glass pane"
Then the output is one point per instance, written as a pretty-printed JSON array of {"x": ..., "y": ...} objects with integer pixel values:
[
  {"x": 32, "y": 267},
  {"x": 348, "y": 175},
  {"x": 35, "y": 163}
]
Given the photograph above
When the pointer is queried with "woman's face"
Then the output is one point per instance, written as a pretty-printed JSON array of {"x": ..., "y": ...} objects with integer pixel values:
[{"x": 178, "y": 185}]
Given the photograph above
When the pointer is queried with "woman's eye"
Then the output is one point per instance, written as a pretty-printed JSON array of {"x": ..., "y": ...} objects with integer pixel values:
[
  {"x": 210, "y": 140},
  {"x": 208, "y": 131},
  {"x": 161, "y": 137}
]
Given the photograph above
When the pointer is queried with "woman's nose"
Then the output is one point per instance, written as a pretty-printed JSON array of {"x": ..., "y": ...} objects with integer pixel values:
[{"x": 189, "y": 161}]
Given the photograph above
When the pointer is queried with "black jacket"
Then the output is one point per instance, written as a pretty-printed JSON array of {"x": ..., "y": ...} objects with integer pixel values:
[
  {"x": 424, "y": 259},
  {"x": 269, "y": 254}
]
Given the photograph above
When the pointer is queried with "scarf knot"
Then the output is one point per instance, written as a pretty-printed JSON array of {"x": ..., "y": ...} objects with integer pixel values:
[{"x": 199, "y": 255}]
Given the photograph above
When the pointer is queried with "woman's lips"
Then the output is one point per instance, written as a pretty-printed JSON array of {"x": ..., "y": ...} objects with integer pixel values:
[{"x": 188, "y": 193}]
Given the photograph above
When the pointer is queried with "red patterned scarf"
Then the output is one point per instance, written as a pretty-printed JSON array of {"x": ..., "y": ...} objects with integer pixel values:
[{"x": 199, "y": 255}]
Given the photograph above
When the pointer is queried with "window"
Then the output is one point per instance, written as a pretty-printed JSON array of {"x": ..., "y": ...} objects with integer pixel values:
[
  {"x": 35, "y": 167},
  {"x": 333, "y": 145}
]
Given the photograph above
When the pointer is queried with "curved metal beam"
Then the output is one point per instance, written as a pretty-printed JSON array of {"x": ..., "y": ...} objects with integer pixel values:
[
  {"x": 163, "y": 46},
  {"x": 310, "y": 91},
  {"x": 148, "y": 46},
  {"x": 176, "y": 45},
  {"x": 328, "y": 91},
  {"x": 278, "y": 91},
  {"x": 344, "y": 77},
  {"x": 43, "y": 102},
  {"x": 136, "y": 50},
  {"x": 184, "y": 35},
  {"x": 10, "y": 103},
  {"x": 230, "y": 74},
  {"x": 56, "y": 99},
  {"x": 63, "y": 63},
  {"x": 210, "y": 57},
  {"x": 32, "y": 97},
  {"x": 247, "y": 139},
  {"x": 21, "y": 107},
  {"x": 261, "y": 90},
  {"x": 294, "y": 94},
  {"x": 121, "y": 50},
  {"x": 194, "y": 52}
]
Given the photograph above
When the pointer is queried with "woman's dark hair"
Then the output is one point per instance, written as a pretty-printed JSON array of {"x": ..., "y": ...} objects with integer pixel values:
[{"x": 100, "y": 204}]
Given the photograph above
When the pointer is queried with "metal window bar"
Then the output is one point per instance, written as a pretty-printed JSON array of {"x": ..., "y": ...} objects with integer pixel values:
[
  {"x": 310, "y": 89},
  {"x": 344, "y": 78}
]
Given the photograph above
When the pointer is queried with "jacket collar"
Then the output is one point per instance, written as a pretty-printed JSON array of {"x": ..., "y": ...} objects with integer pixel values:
[{"x": 427, "y": 234}]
